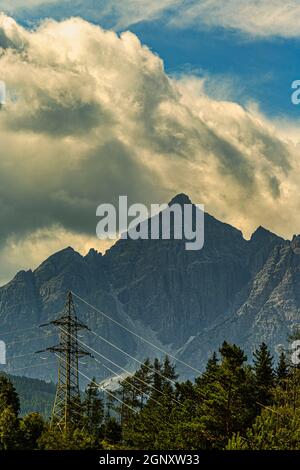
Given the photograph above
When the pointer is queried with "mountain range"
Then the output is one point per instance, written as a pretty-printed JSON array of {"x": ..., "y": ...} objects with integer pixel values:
[{"x": 185, "y": 302}]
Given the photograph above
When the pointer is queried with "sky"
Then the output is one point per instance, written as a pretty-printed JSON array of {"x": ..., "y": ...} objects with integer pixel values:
[{"x": 146, "y": 99}]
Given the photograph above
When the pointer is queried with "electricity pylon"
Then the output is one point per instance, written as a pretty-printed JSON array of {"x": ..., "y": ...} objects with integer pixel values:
[{"x": 67, "y": 409}]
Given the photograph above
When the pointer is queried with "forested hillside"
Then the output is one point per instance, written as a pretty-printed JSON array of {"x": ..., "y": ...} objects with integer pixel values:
[
  {"x": 232, "y": 405},
  {"x": 35, "y": 395}
]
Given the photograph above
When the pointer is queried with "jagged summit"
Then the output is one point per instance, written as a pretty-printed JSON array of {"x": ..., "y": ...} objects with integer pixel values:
[
  {"x": 295, "y": 241},
  {"x": 67, "y": 249},
  {"x": 181, "y": 199},
  {"x": 59, "y": 260},
  {"x": 64, "y": 253},
  {"x": 261, "y": 233},
  {"x": 93, "y": 254},
  {"x": 93, "y": 251},
  {"x": 23, "y": 274}
]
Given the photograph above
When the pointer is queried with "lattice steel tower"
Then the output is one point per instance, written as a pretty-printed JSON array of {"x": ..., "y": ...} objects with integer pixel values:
[{"x": 67, "y": 405}]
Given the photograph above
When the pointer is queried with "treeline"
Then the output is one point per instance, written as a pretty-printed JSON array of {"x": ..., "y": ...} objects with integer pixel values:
[
  {"x": 232, "y": 405},
  {"x": 34, "y": 394}
]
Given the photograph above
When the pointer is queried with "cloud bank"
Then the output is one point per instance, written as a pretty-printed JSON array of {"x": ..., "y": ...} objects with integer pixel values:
[
  {"x": 257, "y": 18},
  {"x": 92, "y": 115}
]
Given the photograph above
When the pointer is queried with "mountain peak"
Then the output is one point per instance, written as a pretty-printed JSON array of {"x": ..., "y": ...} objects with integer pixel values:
[
  {"x": 259, "y": 232},
  {"x": 93, "y": 254},
  {"x": 23, "y": 274},
  {"x": 180, "y": 199},
  {"x": 65, "y": 252},
  {"x": 262, "y": 233},
  {"x": 59, "y": 258},
  {"x": 296, "y": 241}
]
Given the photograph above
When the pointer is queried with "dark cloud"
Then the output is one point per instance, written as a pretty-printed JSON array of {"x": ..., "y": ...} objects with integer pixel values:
[{"x": 94, "y": 116}]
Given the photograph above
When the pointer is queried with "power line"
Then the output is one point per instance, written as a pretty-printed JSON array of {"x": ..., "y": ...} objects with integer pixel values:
[
  {"x": 26, "y": 340},
  {"x": 20, "y": 355},
  {"x": 26, "y": 354},
  {"x": 106, "y": 391},
  {"x": 12, "y": 358},
  {"x": 28, "y": 367},
  {"x": 132, "y": 357},
  {"x": 18, "y": 331},
  {"x": 21, "y": 330},
  {"x": 125, "y": 370},
  {"x": 137, "y": 335},
  {"x": 131, "y": 384},
  {"x": 103, "y": 389}
]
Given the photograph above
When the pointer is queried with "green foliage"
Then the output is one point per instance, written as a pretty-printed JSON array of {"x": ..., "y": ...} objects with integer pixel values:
[
  {"x": 277, "y": 428},
  {"x": 16, "y": 433},
  {"x": 278, "y": 425},
  {"x": 8, "y": 395},
  {"x": 264, "y": 375},
  {"x": 232, "y": 405},
  {"x": 34, "y": 394},
  {"x": 31, "y": 429},
  {"x": 93, "y": 409},
  {"x": 112, "y": 431},
  {"x": 142, "y": 380},
  {"x": 77, "y": 439},
  {"x": 224, "y": 396},
  {"x": 282, "y": 370},
  {"x": 9, "y": 429}
]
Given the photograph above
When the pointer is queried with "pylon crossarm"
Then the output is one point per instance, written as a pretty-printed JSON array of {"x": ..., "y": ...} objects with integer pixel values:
[{"x": 66, "y": 320}]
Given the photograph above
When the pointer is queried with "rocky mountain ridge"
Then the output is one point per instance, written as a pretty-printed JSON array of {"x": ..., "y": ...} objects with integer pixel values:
[{"x": 186, "y": 302}]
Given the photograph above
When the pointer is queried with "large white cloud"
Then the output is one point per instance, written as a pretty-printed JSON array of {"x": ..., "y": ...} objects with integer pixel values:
[
  {"x": 262, "y": 18},
  {"x": 92, "y": 115}
]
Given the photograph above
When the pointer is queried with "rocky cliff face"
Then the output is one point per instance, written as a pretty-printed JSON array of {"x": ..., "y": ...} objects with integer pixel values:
[{"x": 187, "y": 302}]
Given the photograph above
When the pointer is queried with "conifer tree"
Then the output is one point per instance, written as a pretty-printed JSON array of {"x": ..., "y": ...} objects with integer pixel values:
[
  {"x": 142, "y": 382},
  {"x": 212, "y": 363},
  {"x": 157, "y": 381},
  {"x": 8, "y": 395},
  {"x": 9, "y": 429},
  {"x": 282, "y": 370},
  {"x": 9, "y": 410},
  {"x": 169, "y": 376},
  {"x": 210, "y": 372},
  {"x": 264, "y": 375},
  {"x": 31, "y": 428},
  {"x": 93, "y": 409},
  {"x": 223, "y": 408}
]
